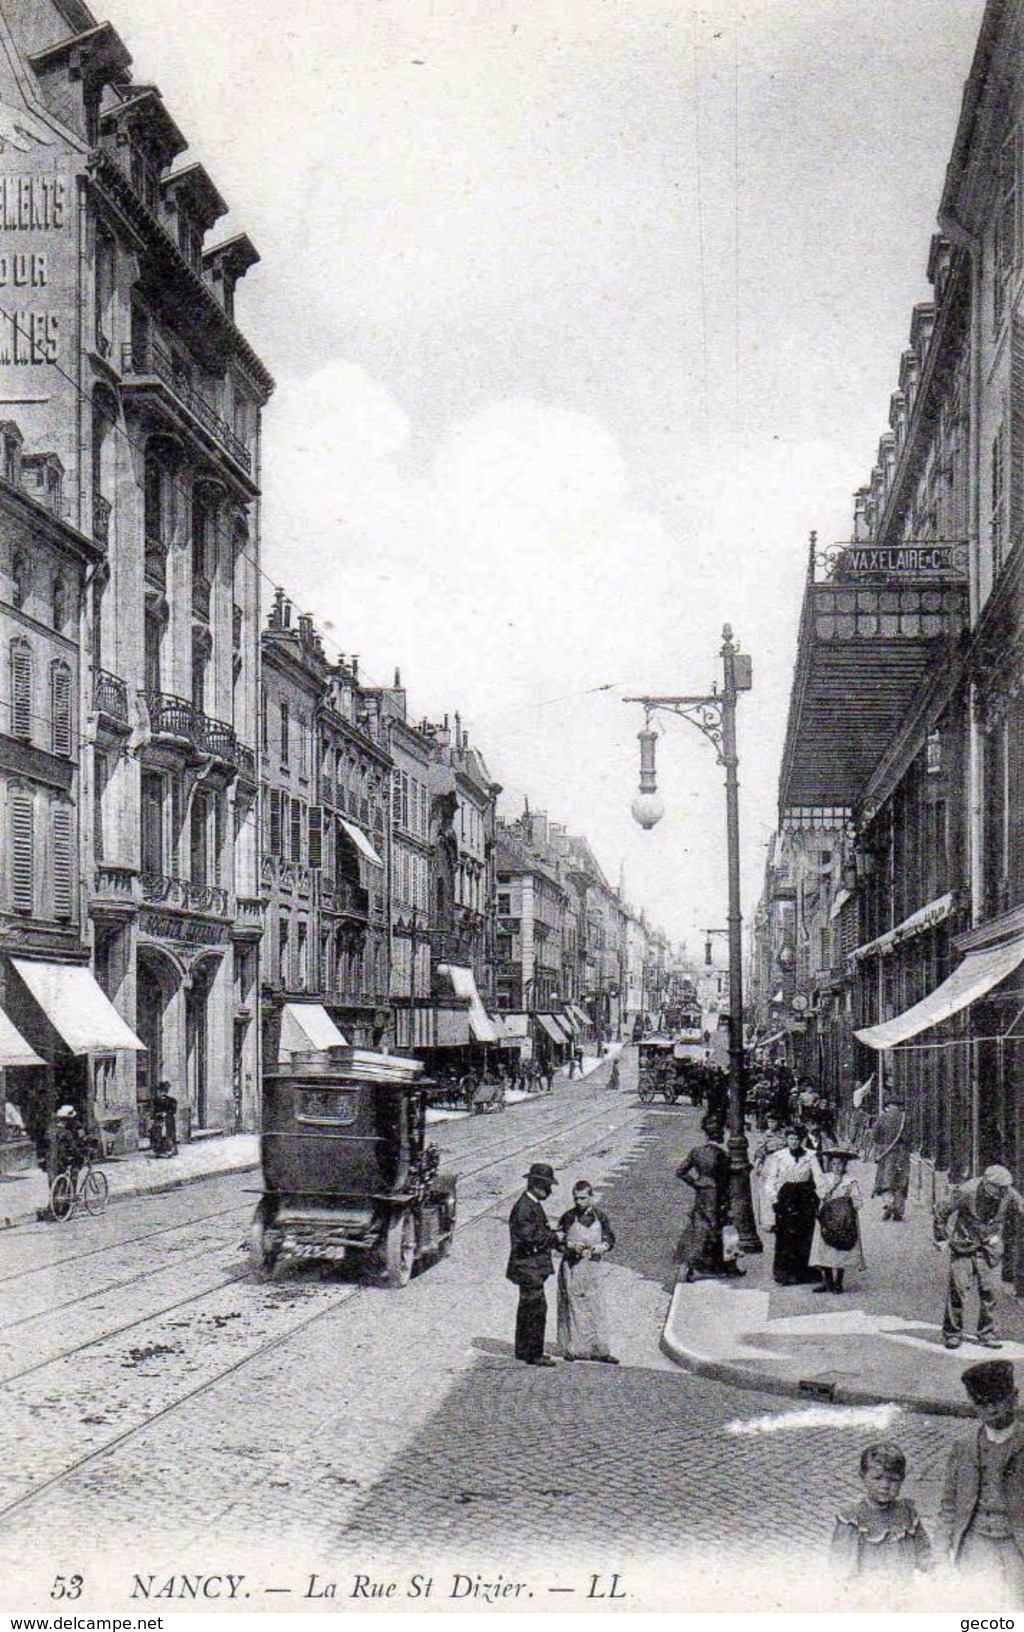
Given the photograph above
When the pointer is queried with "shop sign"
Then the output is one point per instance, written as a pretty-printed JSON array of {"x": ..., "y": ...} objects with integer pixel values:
[
  {"x": 172, "y": 926},
  {"x": 902, "y": 562}
]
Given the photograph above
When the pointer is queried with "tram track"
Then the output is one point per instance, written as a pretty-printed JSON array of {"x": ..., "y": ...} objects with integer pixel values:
[
  {"x": 54, "y": 1310},
  {"x": 255, "y": 1354},
  {"x": 130, "y": 1240}
]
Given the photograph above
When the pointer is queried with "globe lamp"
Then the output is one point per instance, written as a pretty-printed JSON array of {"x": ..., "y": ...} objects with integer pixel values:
[{"x": 648, "y": 807}]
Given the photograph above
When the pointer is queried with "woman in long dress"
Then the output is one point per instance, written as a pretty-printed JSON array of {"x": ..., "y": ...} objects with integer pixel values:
[
  {"x": 834, "y": 1184},
  {"x": 706, "y": 1171},
  {"x": 582, "y": 1317},
  {"x": 789, "y": 1186}
]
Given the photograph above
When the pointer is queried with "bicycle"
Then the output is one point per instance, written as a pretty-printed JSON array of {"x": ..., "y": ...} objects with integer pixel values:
[{"x": 86, "y": 1187}]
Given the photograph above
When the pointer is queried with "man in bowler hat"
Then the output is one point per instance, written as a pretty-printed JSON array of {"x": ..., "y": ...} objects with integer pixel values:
[
  {"x": 530, "y": 1263},
  {"x": 981, "y": 1519}
]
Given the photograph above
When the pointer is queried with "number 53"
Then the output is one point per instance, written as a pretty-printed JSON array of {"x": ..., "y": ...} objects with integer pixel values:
[{"x": 67, "y": 1586}]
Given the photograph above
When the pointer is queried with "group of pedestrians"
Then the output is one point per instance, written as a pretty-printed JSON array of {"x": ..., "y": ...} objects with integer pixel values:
[
  {"x": 583, "y": 1237},
  {"x": 809, "y": 1201}
]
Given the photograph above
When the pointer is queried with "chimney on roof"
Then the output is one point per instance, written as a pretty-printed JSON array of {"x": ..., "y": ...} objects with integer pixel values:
[{"x": 398, "y": 679}]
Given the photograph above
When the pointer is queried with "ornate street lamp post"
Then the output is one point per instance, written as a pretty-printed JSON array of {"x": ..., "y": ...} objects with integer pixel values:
[{"x": 715, "y": 716}]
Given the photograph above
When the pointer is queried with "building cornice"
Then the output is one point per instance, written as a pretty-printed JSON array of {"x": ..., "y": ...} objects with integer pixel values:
[{"x": 53, "y": 528}]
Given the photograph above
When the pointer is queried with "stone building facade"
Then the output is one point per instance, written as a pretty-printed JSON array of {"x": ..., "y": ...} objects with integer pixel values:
[{"x": 134, "y": 376}]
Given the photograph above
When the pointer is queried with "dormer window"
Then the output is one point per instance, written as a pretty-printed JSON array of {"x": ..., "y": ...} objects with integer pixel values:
[{"x": 42, "y": 475}]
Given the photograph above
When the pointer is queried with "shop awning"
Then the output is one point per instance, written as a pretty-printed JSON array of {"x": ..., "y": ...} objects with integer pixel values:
[
  {"x": 360, "y": 841},
  {"x": 13, "y": 1048},
  {"x": 553, "y": 1029},
  {"x": 581, "y": 1015},
  {"x": 924, "y": 918},
  {"x": 464, "y": 985},
  {"x": 568, "y": 1022},
  {"x": 776, "y": 1037},
  {"x": 516, "y": 1025},
  {"x": 975, "y": 976},
  {"x": 505, "y": 1037},
  {"x": 308, "y": 1026},
  {"x": 77, "y": 1007}
]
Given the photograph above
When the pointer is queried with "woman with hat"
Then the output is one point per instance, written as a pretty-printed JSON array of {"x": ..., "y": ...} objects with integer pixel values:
[
  {"x": 706, "y": 1171},
  {"x": 789, "y": 1188},
  {"x": 587, "y": 1238},
  {"x": 530, "y": 1262},
  {"x": 836, "y": 1246}
]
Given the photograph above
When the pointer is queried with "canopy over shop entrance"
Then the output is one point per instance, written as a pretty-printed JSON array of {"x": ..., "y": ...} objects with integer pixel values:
[
  {"x": 464, "y": 986},
  {"x": 307, "y": 1026},
  {"x": 553, "y": 1029},
  {"x": 77, "y": 1007},
  {"x": 978, "y": 973},
  {"x": 13, "y": 1048}
]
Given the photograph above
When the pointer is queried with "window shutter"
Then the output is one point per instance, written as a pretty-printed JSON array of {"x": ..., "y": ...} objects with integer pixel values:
[
  {"x": 21, "y": 689},
  {"x": 275, "y": 822},
  {"x": 22, "y": 870},
  {"x": 60, "y": 709},
  {"x": 316, "y": 835},
  {"x": 63, "y": 891}
]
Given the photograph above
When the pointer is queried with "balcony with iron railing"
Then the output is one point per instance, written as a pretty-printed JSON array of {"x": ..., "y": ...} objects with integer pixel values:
[
  {"x": 184, "y": 895},
  {"x": 149, "y": 360},
  {"x": 177, "y": 719},
  {"x": 249, "y": 916},
  {"x": 114, "y": 892},
  {"x": 110, "y": 696},
  {"x": 290, "y": 877},
  {"x": 348, "y": 900}
]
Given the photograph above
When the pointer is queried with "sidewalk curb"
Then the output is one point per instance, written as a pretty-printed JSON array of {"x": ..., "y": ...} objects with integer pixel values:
[
  {"x": 12, "y": 1221},
  {"x": 760, "y": 1382}
]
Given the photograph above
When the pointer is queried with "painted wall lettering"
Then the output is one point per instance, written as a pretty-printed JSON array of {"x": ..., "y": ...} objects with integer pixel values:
[{"x": 31, "y": 203}]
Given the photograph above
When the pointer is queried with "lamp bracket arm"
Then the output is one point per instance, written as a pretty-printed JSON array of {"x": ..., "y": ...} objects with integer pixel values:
[{"x": 703, "y": 712}]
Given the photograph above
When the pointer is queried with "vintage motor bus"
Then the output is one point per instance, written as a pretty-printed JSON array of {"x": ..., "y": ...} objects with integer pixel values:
[{"x": 347, "y": 1173}]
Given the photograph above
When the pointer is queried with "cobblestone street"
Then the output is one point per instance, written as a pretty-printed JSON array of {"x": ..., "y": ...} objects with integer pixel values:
[{"x": 158, "y": 1398}]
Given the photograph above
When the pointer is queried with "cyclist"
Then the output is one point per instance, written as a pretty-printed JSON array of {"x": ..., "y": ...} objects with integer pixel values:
[{"x": 67, "y": 1143}]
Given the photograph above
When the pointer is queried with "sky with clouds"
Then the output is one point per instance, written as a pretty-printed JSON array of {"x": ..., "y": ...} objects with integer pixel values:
[{"x": 583, "y": 313}]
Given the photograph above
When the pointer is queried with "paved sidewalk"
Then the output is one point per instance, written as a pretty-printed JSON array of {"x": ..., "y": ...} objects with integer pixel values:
[
  {"x": 22, "y": 1195},
  {"x": 880, "y": 1341}
]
